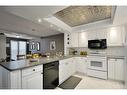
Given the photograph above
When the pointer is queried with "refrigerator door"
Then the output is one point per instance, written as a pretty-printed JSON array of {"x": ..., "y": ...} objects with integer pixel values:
[{"x": 14, "y": 50}]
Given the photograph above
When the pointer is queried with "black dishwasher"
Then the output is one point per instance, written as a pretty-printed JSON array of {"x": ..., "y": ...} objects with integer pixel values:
[{"x": 51, "y": 75}]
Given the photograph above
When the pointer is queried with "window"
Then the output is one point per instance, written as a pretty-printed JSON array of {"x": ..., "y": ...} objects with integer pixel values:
[{"x": 17, "y": 48}]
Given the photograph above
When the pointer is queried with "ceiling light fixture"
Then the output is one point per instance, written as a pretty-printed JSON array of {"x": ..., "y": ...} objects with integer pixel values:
[
  {"x": 39, "y": 20},
  {"x": 17, "y": 36}
]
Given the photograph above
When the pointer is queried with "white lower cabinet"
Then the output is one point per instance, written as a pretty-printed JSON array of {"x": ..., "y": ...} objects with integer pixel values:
[
  {"x": 116, "y": 69},
  {"x": 32, "y": 78},
  {"x": 11, "y": 79},
  {"x": 66, "y": 69},
  {"x": 81, "y": 64}
]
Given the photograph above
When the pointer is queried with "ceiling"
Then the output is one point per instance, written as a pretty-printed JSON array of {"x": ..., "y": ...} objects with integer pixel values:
[
  {"x": 53, "y": 19},
  {"x": 79, "y": 15},
  {"x": 25, "y": 20}
]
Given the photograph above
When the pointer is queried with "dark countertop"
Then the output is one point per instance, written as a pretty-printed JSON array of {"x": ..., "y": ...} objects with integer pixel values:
[{"x": 21, "y": 64}]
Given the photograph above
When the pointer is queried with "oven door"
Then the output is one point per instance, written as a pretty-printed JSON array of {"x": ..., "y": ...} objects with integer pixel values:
[{"x": 97, "y": 64}]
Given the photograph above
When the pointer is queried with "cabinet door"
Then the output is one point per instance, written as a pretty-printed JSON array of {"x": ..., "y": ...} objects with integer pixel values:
[
  {"x": 114, "y": 36},
  {"x": 92, "y": 35},
  {"x": 116, "y": 69},
  {"x": 70, "y": 67},
  {"x": 66, "y": 69},
  {"x": 119, "y": 69},
  {"x": 111, "y": 69},
  {"x": 83, "y": 39},
  {"x": 101, "y": 34},
  {"x": 62, "y": 72},
  {"x": 33, "y": 81},
  {"x": 81, "y": 65},
  {"x": 74, "y": 40}
]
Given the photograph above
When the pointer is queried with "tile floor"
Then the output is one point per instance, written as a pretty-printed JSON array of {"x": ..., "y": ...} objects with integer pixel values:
[{"x": 95, "y": 83}]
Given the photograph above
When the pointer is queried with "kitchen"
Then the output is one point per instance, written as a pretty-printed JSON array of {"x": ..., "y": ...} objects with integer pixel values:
[{"x": 67, "y": 47}]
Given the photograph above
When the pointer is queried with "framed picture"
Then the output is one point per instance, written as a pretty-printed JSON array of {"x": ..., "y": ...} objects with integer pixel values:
[
  {"x": 32, "y": 46},
  {"x": 52, "y": 45},
  {"x": 38, "y": 46}
]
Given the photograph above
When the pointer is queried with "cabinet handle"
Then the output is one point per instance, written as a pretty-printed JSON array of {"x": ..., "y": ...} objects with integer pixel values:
[
  {"x": 41, "y": 72},
  {"x": 33, "y": 69}
]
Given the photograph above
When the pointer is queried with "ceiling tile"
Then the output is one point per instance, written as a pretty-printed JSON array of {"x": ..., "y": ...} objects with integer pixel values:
[{"x": 79, "y": 15}]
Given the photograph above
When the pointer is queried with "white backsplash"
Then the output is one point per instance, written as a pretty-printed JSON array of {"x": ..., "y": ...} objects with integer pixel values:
[{"x": 116, "y": 51}]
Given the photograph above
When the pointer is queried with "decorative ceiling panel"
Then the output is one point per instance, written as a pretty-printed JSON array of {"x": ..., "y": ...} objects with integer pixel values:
[{"x": 79, "y": 15}]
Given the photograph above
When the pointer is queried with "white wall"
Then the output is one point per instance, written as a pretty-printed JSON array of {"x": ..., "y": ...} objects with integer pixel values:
[
  {"x": 35, "y": 41},
  {"x": 2, "y": 46},
  {"x": 0, "y": 77},
  {"x": 2, "y": 53},
  {"x": 125, "y": 53}
]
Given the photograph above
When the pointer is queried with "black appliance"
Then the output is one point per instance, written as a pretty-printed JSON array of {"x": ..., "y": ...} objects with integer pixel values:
[
  {"x": 97, "y": 44},
  {"x": 51, "y": 75}
]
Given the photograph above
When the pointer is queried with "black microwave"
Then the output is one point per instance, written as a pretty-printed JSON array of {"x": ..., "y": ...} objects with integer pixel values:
[{"x": 97, "y": 44}]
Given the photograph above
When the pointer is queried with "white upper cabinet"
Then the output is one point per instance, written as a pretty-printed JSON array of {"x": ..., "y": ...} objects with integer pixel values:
[
  {"x": 74, "y": 40},
  {"x": 83, "y": 39},
  {"x": 92, "y": 35},
  {"x": 97, "y": 34},
  {"x": 115, "y": 36},
  {"x": 101, "y": 34}
]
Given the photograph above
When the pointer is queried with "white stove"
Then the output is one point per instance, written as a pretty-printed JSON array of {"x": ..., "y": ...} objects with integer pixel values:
[{"x": 97, "y": 65}]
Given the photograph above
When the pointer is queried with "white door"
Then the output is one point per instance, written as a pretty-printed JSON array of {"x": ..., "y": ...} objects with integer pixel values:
[
  {"x": 33, "y": 81},
  {"x": 14, "y": 50}
]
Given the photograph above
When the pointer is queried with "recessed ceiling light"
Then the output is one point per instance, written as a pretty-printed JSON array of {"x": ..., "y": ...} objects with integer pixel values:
[
  {"x": 39, "y": 20},
  {"x": 17, "y": 36}
]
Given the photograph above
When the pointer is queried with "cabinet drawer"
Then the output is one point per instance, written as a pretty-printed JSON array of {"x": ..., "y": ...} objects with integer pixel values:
[{"x": 31, "y": 70}]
